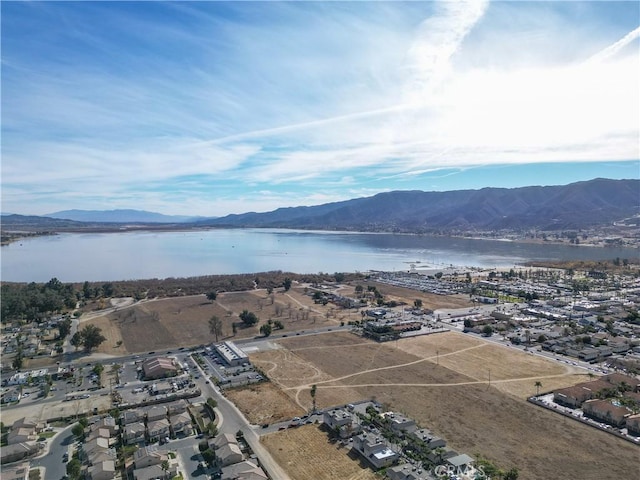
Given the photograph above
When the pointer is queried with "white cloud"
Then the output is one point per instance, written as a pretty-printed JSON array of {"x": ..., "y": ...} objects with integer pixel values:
[{"x": 245, "y": 111}]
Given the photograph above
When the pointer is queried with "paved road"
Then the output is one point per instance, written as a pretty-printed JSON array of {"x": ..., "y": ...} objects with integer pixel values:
[
  {"x": 230, "y": 420},
  {"x": 51, "y": 460}
]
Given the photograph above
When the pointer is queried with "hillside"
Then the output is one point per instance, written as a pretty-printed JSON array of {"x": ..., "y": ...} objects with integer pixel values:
[
  {"x": 579, "y": 205},
  {"x": 595, "y": 203}
]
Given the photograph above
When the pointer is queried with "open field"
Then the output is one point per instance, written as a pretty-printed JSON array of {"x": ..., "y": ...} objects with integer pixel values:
[
  {"x": 264, "y": 403},
  {"x": 429, "y": 300},
  {"x": 48, "y": 410},
  {"x": 502, "y": 365},
  {"x": 184, "y": 321},
  {"x": 440, "y": 381},
  {"x": 306, "y": 453},
  {"x": 112, "y": 333}
]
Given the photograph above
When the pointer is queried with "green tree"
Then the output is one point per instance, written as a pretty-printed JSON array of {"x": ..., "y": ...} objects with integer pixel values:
[
  {"x": 18, "y": 360},
  {"x": 165, "y": 467},
  {"x": 312, "y": 392},
  {"x": 209, "y": 456},
  {"x": 265, "y": 329},
  {"x": 511, "y": 474},
  {"x": 215, "y": 326},
  {"x": 64, "y": 327},
  {"x": 417, "y": 303},
  {"x": 487, "y": 331},
  {"x": 277, "y": 324},
  {"x": 286, "y": 284},
  {"x": 76, "y": 340},
  {"x": 74, "y": 469},
  {"x": 212, "y": 295},
  {"x": 248, "y": 318},
  {"x": 78, "y": 430},
  {"x": 91, "y": 337}
]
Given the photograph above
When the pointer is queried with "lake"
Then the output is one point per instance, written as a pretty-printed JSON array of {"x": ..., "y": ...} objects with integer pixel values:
[{"x": 76, "y": 257}]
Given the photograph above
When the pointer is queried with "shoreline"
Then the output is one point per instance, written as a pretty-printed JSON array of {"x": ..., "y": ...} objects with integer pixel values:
[{"x": 9, "y": 236}]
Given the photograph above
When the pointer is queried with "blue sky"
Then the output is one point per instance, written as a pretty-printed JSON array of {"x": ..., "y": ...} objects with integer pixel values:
[{"x": 209, "y": 108}]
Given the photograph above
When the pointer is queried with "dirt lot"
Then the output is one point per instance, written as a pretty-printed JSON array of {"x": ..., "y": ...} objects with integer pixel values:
[
  {"x": 44, "y": 411},
  {"x": 473, "y": 416},
  {"x": 306, "y": 453},
  {"x": 429, "y": 300},
  {"x": 504, "y": 366},
  {"x": 264, "y": 403}
]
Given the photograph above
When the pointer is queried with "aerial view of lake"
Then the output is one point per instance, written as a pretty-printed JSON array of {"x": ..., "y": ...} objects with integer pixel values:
[{"x": 76, "y": 257}]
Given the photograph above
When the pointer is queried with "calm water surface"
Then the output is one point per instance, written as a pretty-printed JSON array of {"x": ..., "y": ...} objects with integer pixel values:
[{"x": 134, "y": 255}]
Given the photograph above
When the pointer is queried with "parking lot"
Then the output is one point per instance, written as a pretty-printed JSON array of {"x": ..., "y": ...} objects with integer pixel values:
[{"x": 216, "y": 368}]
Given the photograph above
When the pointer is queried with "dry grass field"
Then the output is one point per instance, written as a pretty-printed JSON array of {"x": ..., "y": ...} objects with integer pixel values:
[
  {"x": 429, "y": 300},
  {"x": 440, "y": 381},
  {"x": 306, "y": 453},
  {"x": 184, "y": 321},
  {"x": 264, "y": 403}
]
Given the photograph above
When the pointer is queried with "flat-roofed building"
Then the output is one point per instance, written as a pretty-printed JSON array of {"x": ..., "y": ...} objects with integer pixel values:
[
  {"x": 374, "y": 450},
  {"x": 231, "y": 353}
]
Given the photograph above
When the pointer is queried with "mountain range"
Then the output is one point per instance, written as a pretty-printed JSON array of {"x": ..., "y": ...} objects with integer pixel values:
[
  {"x": 593, "y": 203},
  {"x": 578, "y": 205},
  {"x": 120, "y": 216}
]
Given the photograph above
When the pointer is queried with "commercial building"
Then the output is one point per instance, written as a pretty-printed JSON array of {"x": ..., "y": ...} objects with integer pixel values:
[{"x": 231, "y": 353}]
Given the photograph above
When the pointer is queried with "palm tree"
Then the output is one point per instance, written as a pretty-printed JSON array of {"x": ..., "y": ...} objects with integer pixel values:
[
  {"x": 215, "y": 326},
  {"x": 165, "y": 467},
  {"x": 538, "y": 384}
]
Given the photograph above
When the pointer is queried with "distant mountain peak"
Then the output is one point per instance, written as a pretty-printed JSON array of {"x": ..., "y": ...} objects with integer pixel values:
[{"x": 121, "y": 216}]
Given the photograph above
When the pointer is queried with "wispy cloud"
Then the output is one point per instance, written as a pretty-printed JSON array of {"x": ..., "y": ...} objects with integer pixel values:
[{"x": 222, "y": 107}]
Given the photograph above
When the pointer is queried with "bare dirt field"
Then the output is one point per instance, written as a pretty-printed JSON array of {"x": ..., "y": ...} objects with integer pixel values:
[
  {"x": 306, "y": 453},
  {"x": 264, "y": 403},
  {"x": 44, "y": 411},
  {"x": 473, "y": 416},
  {"x": 429, "y": 300}
]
